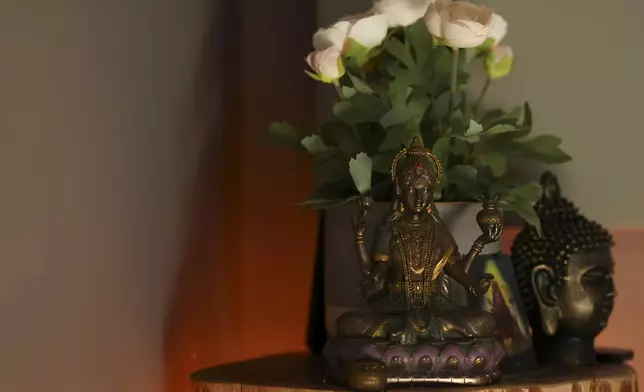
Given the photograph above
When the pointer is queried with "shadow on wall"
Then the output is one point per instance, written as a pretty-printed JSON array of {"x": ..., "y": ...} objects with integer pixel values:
[
  {"x": 201, "y": 292},
  {"x": 244, "y": 285}
]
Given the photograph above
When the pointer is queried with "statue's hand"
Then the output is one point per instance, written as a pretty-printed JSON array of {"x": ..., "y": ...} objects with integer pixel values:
[
  {"x": 360, "y": 216},
  {"x": 371, "y": 285},
  {"x": 483, "y": 285},
  {"x": 492, "y": 233}
]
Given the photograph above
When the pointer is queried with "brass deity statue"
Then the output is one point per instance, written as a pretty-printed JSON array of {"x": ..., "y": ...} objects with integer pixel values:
[
  {"x": 406, "y": 285},
  {"x": 566, "y": 279}
]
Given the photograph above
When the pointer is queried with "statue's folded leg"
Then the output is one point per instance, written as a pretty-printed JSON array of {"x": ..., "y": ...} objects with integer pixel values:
[
  {"x": 468, "y": 322},
  {"x": 365, "y": 324}
]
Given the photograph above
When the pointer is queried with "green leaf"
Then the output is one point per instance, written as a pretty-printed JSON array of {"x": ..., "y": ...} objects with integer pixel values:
[
  {"x": 360, "y": 169},
  {"x": 500, "y": 128},
  {"x": 314, "y": 144},
  {"x": 463, "y": 175},
  {"x": 348, "y": 92},
  {"x": 397, "y": 137},
  {"x": 530, "y": 192},
  {"x": 382, "y": 162},
  {"x": 418, "y": 103},
  {"x": 499, "y": 116},
  {"x": 400, "y": 52},
  {"x": 284, "y": 134},
  {"x": 443, "y": 65},
  {"x": 460, "y": 147},
  {"x": 337, "y": 133},
  {"x": 356, "y": 52},
  {"x": 440, "y": 107},
  {"x": 499, "y": 186},
  {"x": 525, "y": 210},
  {"x": 313, "y": 76},
  {"x": 512, "y": 117},
  {"x": 397, "y": 115},
  {"x": 441, "y": 150},
  {"x": 473, "y": 131},
  {"x": 497, "y": 162},
  {"x": 545, "y": 148},
  {"x": 466, "y": 107},
  {"x": 360, "y": 84},
  {"x": 399, "y": 90},
  {"x": 361, "y": 108},
  {"x": 421, "y": 42},
  {"x": 526, "y": 119},
  {"x": 331, "y": 169},
  {"x": 321, "y": 203},
  {"x": 440, "y": 187},
  {"x": 490, "y": 116},
  {"x": 467, "y": 55}
]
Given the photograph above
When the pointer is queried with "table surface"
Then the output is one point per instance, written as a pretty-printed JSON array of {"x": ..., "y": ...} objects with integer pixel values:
[{"x": 300, "y": 372}]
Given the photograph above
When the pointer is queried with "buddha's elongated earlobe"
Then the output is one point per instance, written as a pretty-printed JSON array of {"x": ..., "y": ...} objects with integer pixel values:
[{"x": 543, "y": 284}]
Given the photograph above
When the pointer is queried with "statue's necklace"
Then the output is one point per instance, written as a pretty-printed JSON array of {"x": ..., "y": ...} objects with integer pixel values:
[{"x": 417, "y": 246}]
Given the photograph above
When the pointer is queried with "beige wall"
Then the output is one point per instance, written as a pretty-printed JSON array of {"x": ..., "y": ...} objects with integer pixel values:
[
  {"x": 581, "y": 66},
  {"x": 96, "y": 109}
]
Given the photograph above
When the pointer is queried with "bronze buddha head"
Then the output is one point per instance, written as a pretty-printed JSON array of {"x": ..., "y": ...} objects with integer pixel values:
[
  {"x": 566, "y": 278},
  {"x": 415, "y": 172}
]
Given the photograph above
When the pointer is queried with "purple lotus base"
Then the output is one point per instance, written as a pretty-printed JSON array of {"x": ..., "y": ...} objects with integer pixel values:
[{"x": 474, "y": 362}]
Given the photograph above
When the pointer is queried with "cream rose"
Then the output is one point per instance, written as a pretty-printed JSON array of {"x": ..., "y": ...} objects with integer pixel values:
[
  {"x": 402, "y": 12},
  {"x": 498, "y": 28},
  {"x": 459, "y": 24},
  {"x": 499, "y": 61},
  {"x": 332, "y": 36},
  {"x": 368, "y": 30},
  {"x": 326, "y": 64}
]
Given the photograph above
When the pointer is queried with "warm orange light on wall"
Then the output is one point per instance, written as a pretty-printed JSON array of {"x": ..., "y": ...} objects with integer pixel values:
[{"x": 244, "y": 287}]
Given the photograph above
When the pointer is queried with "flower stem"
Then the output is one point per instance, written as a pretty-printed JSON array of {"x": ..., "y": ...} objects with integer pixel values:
[
  {"x": 479, "y": 102},
  {"x": 356, "y": 134},
  {"x": 338, "y": 89},
  {"x": 453, "y": 85}
]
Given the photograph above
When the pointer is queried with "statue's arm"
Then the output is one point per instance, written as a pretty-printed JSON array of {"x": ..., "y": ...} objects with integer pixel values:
[
  {"x": 360, "y": 227},
  {"x": 380, "y": 252},
  {"x": 458, "y": 268},
  {"x": 376, "y": 281},
  {"x": 455, "y": 268},
  {"x": 363, "y": 257}
]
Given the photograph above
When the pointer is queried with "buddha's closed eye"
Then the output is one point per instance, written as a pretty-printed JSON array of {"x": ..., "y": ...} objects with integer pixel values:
[{"x": 596, "y": 274}]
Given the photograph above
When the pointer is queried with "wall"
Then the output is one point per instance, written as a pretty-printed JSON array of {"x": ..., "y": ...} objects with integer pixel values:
[
  {"x": 97, "y": 144},
  {"x": 581, "y": 66},
  {"x": 245, "y": 283}
]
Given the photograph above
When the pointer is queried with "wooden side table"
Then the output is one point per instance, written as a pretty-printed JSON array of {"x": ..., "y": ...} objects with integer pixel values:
[{"x": 301, "y": 373}]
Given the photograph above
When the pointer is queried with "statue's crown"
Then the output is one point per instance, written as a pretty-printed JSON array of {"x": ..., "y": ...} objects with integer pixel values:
[{"x": 416, "y": 150}]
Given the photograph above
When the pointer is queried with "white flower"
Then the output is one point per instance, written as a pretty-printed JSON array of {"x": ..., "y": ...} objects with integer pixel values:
[
  {"x": 326, "y": 64},
  {"x": 402, "y": 12},
  {"x": 499, "y": 61},
  {"x": 369, "y": 30},
  {"x": 459, "y": 24},
  {"x": 498, "y": 28},
  {"x": 332, "y": 36}
]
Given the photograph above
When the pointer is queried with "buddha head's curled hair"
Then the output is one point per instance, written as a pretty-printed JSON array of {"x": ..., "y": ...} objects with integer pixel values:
[{"x": 565, "y": 232}]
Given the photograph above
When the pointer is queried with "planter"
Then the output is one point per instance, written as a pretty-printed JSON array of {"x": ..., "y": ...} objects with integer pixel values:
[{"x": 342, "y": 274}]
